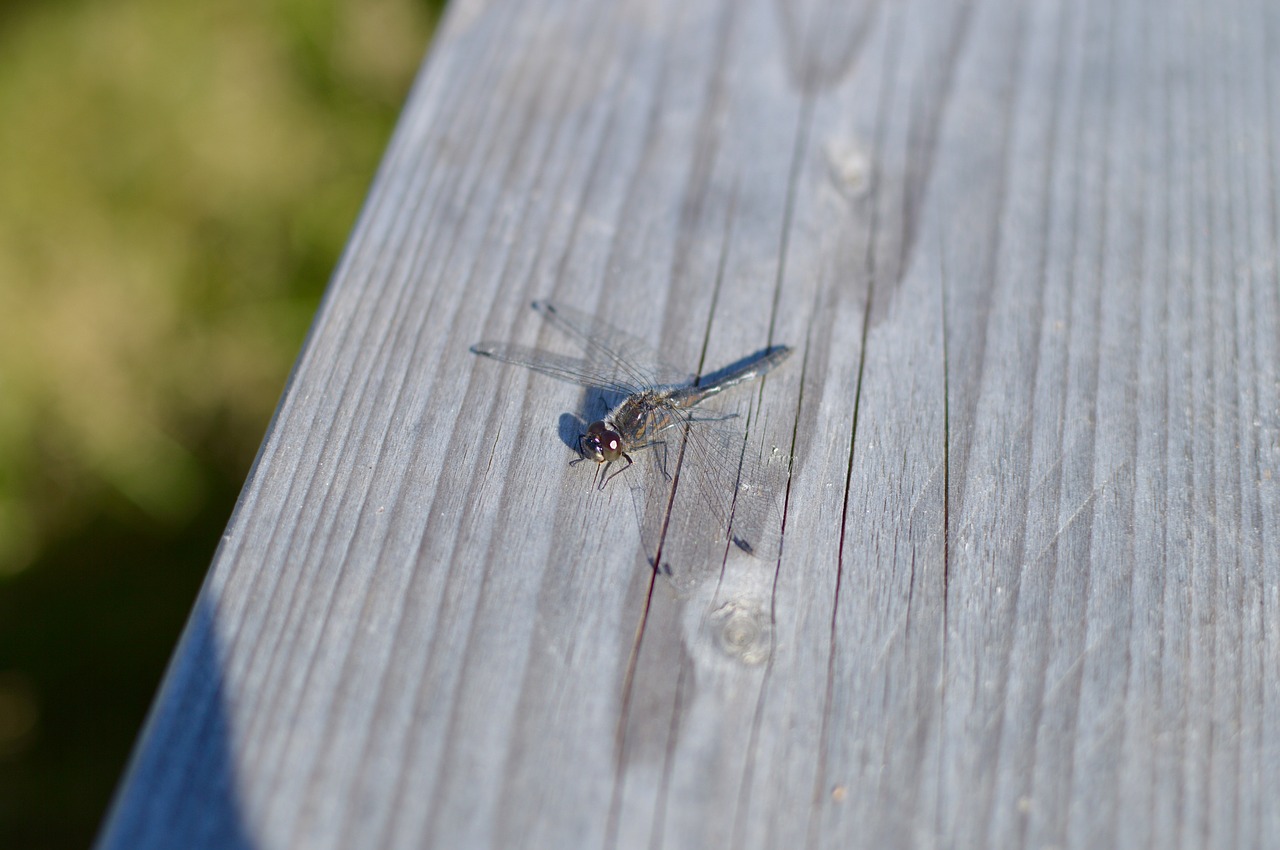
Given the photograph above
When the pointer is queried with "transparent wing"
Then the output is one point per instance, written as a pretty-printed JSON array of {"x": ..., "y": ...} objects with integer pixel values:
[
  {"x": 631, "y": 358},
  {"x": 575, "y": 370},
  {"x": 740, "y": 482},
  {"x": 728, "y": 495}
]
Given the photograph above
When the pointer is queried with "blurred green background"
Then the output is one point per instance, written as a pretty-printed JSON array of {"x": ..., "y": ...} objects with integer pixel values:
[{"x": 176, "y": 184}]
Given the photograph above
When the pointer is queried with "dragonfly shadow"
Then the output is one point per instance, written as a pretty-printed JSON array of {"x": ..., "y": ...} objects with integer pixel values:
[{"x": 572, "y": 427}]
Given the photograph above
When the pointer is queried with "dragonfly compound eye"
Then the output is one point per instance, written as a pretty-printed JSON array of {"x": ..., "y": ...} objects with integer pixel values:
[{"x": 602, "y": 443}]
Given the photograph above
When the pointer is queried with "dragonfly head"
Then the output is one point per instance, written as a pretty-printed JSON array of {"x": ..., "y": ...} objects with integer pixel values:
[{"x": 601, "y": 443}]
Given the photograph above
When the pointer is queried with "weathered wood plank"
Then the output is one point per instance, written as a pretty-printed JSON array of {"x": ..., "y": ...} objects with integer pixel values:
[{"x": 1030, "y": 574}]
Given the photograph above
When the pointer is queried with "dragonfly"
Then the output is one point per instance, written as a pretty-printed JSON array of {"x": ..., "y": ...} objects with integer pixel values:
[{"x": 657, "y": 401}]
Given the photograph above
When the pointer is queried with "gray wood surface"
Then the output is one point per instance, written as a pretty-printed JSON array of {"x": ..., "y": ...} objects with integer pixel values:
[{"x": 1029, "y": 590}]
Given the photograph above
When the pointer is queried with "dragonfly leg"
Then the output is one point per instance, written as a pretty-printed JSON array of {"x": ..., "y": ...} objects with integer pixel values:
[
  {"x": 627, "y": 457},
  {"x": 662, "y": 464}
]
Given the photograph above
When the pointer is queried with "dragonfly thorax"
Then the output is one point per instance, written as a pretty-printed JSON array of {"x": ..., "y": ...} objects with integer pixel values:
[{"x": 601, "y": 443}]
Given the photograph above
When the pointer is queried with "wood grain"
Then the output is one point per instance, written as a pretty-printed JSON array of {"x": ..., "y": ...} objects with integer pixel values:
[{"x": 1029, "y": 589}]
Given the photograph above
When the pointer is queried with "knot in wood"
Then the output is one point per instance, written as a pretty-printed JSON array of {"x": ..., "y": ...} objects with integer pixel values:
[{"x": 743, "y": 631}]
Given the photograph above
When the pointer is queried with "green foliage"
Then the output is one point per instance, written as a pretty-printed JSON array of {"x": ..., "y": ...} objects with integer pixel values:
[{"x": 178, "y": 181}]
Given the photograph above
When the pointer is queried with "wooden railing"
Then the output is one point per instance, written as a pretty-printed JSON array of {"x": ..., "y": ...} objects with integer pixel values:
[{"x": 1027, "y": 594}]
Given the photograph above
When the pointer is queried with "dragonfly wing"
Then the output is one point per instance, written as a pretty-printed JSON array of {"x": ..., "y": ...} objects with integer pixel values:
[
  {"x": 575, "y": 370},
  {"x": 740, "y": 481},
  {"x": 729, "y": 492},
  {"x": 633, "y": 359}
]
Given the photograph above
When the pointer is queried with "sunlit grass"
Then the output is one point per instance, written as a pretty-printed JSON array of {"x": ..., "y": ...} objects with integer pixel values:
[{"x": 178, "y": 180}]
